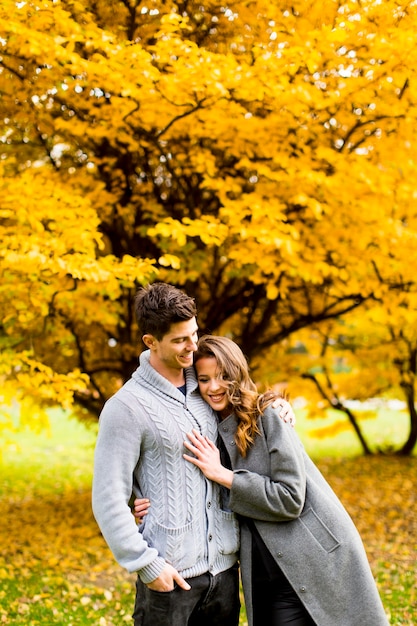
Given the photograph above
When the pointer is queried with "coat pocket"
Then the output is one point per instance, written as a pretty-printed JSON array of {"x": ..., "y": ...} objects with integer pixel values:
[{"x": 318, "y": 529}]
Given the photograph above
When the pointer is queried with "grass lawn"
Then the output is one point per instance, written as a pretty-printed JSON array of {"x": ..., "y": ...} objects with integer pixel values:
[{"x": 56, "y": 569}]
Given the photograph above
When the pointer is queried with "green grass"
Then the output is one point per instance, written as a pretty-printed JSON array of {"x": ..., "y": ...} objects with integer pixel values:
[
  {"x": 384, "y": 429},
  {"x": 54, "y": 565},
  {"x": 59, "y": 458},
  {"x": 56, "y": 569}
]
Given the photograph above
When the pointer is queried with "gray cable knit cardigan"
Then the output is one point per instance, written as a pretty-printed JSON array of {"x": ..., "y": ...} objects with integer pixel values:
[
  {"x": 304, "y": 525},
  {"x": 139, "y": 449}
]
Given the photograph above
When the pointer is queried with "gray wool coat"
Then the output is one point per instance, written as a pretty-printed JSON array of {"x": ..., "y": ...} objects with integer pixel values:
[{"x": 303, "y": 524}]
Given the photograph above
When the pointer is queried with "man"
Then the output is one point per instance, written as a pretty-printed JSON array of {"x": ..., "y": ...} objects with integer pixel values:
[{"x": 185, "y": 553}]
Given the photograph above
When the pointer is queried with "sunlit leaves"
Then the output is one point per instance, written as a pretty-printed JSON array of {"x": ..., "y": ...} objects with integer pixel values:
[
  {"x": 55, "y": 567},
  {"x": 261, "y": 155}
]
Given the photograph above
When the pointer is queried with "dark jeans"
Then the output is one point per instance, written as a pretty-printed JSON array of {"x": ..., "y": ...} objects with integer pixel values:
[{"x": 211, "y": 601}]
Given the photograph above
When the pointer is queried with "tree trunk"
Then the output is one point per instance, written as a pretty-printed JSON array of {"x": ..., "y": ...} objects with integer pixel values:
[
  {"x": 339, "y": 406},
  {"x": 352, "y": 419},
  {"x": 408, "y": 446}
]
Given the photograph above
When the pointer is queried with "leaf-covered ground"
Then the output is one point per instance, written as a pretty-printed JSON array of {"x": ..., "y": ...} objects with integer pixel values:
[
  {"x": 381, "y": 495},
  {"x": 55, "y": 567}
]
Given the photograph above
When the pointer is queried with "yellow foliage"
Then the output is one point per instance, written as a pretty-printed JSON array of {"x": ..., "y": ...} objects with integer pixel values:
[
  {"x": 27, "y": 380},
  {"x": 329, "y": 431},
  {"x": 261, "y": 155}
]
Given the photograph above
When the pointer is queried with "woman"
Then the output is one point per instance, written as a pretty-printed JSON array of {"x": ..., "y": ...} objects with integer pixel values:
[{"x": 302, "y": 560}]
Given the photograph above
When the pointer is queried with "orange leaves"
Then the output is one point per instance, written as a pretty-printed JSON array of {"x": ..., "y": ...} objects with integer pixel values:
[
  {"x": 380, "y": 494},
  {"x": 42, "y": 226},
  {"x": 209, "y": 230},
  {"x": 259, "y": 154},
  {"x": 61, "y": 565},
  {"x": 329, "y": 431},
  {"x": 55, "y": 567}
]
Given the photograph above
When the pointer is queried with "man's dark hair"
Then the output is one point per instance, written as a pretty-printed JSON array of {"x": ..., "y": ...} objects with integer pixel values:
[{"x": 160, "y": 305}]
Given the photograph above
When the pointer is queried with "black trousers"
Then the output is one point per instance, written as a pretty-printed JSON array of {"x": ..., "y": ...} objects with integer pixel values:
[
  {"x": 211, "y": 601},
  {"x": 275, "y": 602}
]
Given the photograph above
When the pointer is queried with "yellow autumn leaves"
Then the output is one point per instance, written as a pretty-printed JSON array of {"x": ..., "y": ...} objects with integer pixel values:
[{"x": 263, "y": 156}]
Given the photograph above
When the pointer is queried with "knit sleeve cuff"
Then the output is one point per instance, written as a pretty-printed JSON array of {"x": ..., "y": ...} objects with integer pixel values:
[{"x": 148, "y": 573}]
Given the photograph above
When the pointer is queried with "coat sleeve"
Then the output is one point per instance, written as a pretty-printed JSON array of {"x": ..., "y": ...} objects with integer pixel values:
[
  {"x": 271, "y": 489},
  {"x": 116, "y": 454}
]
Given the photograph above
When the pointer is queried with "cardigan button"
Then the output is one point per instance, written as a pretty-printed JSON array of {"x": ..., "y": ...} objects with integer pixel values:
[
  {"x": 303, "y": 589},
  {"x": 280, "y": 555}
]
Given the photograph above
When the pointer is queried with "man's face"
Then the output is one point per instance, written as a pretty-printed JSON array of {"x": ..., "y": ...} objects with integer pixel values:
[{"x": 175, "y": 350}]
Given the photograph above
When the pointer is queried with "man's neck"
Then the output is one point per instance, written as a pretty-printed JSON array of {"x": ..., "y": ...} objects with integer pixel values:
[{"x": 176, "y": 377}]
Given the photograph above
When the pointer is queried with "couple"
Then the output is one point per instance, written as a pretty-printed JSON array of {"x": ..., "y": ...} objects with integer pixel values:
[{"x": 302, "y": 560}]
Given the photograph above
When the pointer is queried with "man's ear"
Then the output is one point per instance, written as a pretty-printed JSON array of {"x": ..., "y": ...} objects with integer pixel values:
[{"x": 149, "y": 341}]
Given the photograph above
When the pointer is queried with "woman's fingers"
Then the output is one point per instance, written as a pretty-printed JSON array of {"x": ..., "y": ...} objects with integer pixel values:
[{"x": 199, "y": 441}]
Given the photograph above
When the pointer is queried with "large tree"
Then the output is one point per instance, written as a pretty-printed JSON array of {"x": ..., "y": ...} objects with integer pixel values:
[{"x": 257, "y": 154}]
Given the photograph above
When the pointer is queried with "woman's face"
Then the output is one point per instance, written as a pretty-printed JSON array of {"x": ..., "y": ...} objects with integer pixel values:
[{"x": 211, "y": 386}]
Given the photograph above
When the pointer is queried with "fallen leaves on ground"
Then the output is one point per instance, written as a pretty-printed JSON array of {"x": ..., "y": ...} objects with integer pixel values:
[
  {"x": 52, "y": 545},
  {"x": 53, "y": 551},
  {"x": 380, "y": 493}
]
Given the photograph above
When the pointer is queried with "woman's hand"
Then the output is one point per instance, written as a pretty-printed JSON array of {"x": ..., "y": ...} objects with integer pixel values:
[
  {"x": 140, "y": 508},
  {"x": 207, "y": 458},
  {"x": 286, "y": 413}
]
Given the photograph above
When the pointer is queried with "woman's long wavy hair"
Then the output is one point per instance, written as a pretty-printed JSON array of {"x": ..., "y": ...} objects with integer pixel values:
[{"x": 245, "y": 401}]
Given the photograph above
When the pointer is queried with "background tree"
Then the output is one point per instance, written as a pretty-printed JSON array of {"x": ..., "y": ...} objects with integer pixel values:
[
  {"x": 256, "y": 155},
  {"x": 369, "y": 355}
]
